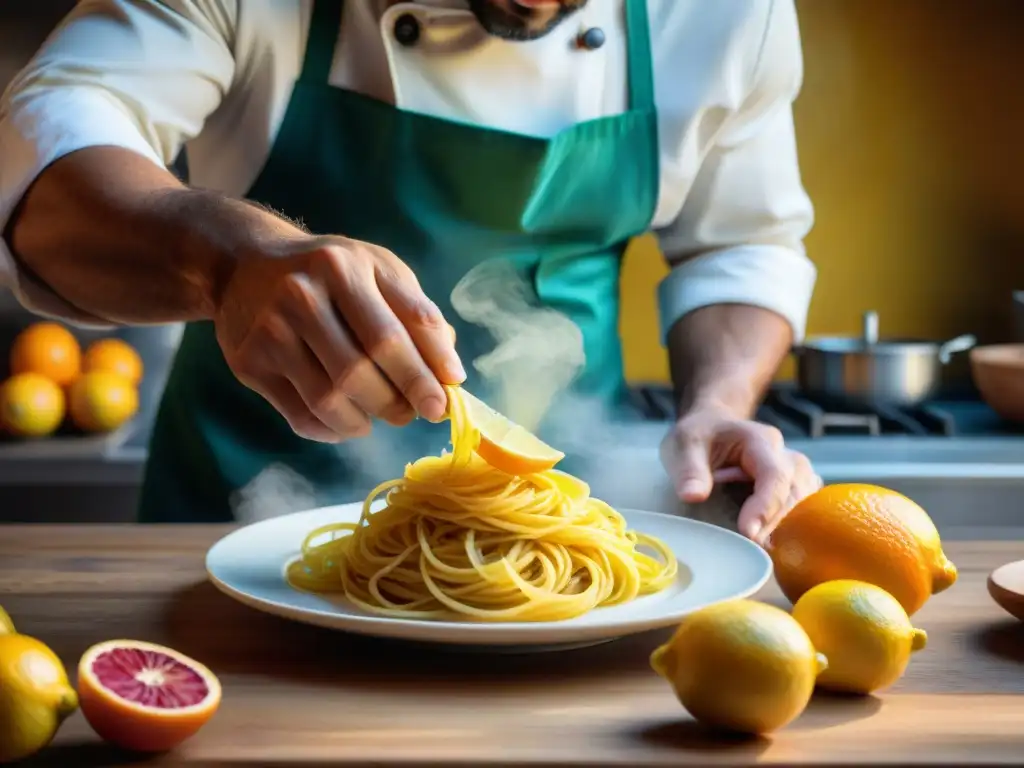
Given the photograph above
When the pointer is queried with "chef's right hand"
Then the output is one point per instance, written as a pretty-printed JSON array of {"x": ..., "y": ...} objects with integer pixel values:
[{"x": 332, "y": 332}]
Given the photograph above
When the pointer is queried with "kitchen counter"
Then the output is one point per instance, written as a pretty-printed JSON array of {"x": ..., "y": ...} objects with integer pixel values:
[
  {"x": 962, "y": 481},
  {"x": 835, "y": 458},
  {"x": 297, "y": 695}
]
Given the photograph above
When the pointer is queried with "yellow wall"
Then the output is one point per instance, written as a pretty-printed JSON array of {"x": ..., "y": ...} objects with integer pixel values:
[{"x": 911, "y": 133}]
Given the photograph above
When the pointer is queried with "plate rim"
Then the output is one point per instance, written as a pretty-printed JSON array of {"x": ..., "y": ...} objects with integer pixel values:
[{"x": 476, "y": 634}]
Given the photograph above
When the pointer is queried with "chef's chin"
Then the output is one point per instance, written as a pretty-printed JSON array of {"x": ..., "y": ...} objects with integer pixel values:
[{"x": 512, "y": 20}]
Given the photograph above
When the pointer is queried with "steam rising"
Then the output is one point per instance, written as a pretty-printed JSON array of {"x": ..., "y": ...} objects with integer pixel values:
[
  {"x": 538, "y": 352},
  {"x": 277, "y": 490}
]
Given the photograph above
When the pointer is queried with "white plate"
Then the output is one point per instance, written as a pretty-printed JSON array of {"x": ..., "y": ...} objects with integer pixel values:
[{"x": 715, "y": 564}]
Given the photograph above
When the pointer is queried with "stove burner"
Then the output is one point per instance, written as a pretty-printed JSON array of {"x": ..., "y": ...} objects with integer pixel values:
[
  {"x": 797, "y": 416},
  {"x": 807, "y": 417}
]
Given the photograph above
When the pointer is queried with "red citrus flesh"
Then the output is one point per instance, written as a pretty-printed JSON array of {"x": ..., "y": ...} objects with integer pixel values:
[{"x": 150, "y": 678}]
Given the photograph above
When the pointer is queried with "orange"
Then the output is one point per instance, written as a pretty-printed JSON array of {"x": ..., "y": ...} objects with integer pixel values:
[
  {"x": 31, "y": 405},
  {"x": 506, "y": 445},
  {"x": 48, "y": 349},
  {"x": 115, "y": 356},
  {"x": 862, "y": 532},
  {"x": 145, "y": 697},
  {"x": 101, "y": 401},
  {"x": 35, "y": 696}
]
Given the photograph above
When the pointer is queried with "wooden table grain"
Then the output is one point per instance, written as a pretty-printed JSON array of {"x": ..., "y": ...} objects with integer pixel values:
[{"x": 297, "y": 695}]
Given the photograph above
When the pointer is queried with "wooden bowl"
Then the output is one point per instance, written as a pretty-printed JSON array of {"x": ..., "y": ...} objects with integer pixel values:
[
  {"x": 998, "y": 372},
  {"x": 1006, "y": 585}
]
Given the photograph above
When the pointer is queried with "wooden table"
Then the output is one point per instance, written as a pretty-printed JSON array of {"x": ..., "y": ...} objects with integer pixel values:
[{"x": 297, "y": 695}]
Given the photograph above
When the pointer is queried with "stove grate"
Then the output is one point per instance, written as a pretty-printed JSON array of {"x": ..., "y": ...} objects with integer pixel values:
[{"x": 797, "y": 416}]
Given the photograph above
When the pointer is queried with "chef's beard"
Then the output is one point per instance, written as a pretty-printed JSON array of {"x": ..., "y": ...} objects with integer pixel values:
[{"x": 509, "y": 20}]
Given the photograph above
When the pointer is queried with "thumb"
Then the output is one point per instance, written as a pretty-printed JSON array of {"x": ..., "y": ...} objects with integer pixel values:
[{"x": 691, "y": 469}]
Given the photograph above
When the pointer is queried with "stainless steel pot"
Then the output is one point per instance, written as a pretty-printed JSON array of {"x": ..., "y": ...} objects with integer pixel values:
[{"x": 867, "y": 372}]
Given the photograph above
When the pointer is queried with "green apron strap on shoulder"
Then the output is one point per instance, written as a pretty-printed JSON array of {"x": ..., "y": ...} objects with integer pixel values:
[
  {"x": 323, "y": 34},
  {"x": 639, "y": 58}
]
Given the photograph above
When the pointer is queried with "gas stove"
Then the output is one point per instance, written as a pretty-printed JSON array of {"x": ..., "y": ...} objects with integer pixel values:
[
  {"x": 953, "y": 456},
  {"x": 797, "y": 416}
]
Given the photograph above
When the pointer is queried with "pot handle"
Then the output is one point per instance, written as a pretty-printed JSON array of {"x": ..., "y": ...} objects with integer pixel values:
[
  {"x": 869, "y": 328},
  {"x": 953, "y": 346}
]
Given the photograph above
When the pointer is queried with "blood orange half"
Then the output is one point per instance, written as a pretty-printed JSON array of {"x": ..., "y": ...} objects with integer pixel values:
[{"x": 145, "y": 697}]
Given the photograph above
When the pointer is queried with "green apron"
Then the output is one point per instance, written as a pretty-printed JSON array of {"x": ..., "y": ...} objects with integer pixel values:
[{"x": 443, "y": 196}]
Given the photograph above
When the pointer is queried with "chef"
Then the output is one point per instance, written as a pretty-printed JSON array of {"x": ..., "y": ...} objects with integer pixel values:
[{"x": 349, "y": 162}]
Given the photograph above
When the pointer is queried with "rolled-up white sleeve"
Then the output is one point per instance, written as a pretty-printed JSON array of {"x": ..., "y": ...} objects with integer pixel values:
[
  {"x": 137, "y": 74},
  {"x": 739, "y": 236}
]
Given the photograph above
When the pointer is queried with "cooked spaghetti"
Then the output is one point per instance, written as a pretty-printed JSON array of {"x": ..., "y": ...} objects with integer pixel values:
[{"x": 460, "y": 540}]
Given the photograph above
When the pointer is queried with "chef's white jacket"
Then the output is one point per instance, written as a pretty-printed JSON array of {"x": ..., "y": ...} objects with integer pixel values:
[{"x": 215, "y": 77}]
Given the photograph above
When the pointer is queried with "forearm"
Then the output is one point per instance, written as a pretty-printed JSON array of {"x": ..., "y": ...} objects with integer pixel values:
[
  {"x": 123, "y": 240},
  {"x": 725, "y": 356}
]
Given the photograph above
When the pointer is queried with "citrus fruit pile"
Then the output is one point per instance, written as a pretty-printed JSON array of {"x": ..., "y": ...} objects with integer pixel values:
[
  {"x": 53, "y": 381},
  {"x": 857, "y": 561},
  {"x": 135, "y": 695}
]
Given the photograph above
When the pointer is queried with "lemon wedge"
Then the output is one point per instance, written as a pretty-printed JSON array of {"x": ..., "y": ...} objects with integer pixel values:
[{"x": 507, "y": 446}]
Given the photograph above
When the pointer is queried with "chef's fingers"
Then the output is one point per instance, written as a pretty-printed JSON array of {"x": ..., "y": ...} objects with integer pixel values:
[
  {"x": 359, "y": 380},
  {"x": 730, "y": 475},
  {"x": 433, "y": 336},
  {"x": 796, "y": 489},
  {"x": 327, "y": 403},
  {"x": 688, "y": 463},
  {"x": 804, "y": 482},
  {"x": 382, "y": 335},
  {"x": 255, "y": 364},
  {"x": 294, "y": 360},
  {"x": 283, "y": 396},
  {"x": 805, "y": 479},
  {"x": 352, "y": 375},
  {"x": 772, "y": 471}
]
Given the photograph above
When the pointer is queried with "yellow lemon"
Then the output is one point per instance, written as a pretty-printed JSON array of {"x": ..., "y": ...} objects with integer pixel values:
[
  {"x": 863, "y": 630},
  {"x": 741, "y": 665},
  {"x": 101, "y": 401},
  {"x": 35, "y": 696},
  {"x": 31, "y": 405},
  {"x": 6, "y": 624}
]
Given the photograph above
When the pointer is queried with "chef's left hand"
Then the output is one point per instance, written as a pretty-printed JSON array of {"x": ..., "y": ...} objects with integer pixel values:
[{"x": 708, "y": 445}]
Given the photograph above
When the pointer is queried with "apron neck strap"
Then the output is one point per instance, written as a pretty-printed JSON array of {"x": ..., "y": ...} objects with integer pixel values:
[
  {"x": 638, "y": 57},
  {"x": 324, "y": 27}
]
